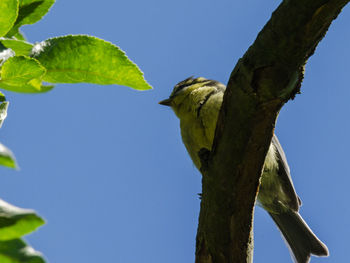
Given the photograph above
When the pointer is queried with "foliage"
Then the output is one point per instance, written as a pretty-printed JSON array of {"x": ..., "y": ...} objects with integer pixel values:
[{"x": 23, "y": 68}]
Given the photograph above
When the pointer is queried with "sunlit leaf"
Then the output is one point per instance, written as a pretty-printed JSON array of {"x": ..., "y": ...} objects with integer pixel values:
[
  {"x": 22, "y": 74},
  {"x": 30, "y": 11},
  {"x": 16, "y": 222},
  {"x": 20, "y": 47},
  {"x": 74, "y": 59},
  {"x": 8, "y": 15}
]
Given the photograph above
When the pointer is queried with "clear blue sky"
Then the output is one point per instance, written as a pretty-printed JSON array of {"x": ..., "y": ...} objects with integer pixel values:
[{"x": 105, "y": 165}]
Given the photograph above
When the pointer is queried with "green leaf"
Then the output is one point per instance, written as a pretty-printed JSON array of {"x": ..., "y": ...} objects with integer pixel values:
[
  {"x": 22, "y": 74},
  {"x": 34, "y": 87},
  {"x": 3, "y": 108},
  {"x": 2, "y": 98},
  {"x": 8, "y": 15},
  {"x": 15, "y": 33},
  {"x": 19, "y": 35},
  {"x": 17, "y": 251},
  {"x": 6, "y": 157},
  {"x": 79, "y": 58},
  {"x": 19, "y": 70},
  {"x": 16, "y": 222},
  {"x": 30, "y": 12},
  {"x": 18, "y": 46}
]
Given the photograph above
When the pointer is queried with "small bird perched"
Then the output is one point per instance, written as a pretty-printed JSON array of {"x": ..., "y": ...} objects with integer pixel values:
[{"x": 196, "y": 102}]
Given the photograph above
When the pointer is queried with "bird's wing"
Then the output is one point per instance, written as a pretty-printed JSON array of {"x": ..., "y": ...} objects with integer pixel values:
[{"x": 284, "y": 176}]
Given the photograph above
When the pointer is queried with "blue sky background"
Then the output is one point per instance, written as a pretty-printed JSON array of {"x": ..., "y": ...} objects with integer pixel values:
[{"x": 105, "y": 165}]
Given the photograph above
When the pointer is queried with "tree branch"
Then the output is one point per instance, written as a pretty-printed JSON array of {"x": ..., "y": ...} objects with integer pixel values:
[{"x": 264, "y": 79}]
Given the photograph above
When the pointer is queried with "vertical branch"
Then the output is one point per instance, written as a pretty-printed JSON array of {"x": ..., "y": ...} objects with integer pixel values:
[{"x": 268, "y": 75}]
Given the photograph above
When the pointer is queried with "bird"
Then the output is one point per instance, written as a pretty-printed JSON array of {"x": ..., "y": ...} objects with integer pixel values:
[{"x": 196, "y": 102}]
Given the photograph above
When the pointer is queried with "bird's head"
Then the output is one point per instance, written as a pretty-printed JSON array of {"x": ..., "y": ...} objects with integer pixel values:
[{"x": 190, "y": 93}]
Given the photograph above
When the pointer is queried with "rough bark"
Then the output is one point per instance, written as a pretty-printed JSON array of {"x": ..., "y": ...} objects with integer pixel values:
[{"x": 267, "y": 76}]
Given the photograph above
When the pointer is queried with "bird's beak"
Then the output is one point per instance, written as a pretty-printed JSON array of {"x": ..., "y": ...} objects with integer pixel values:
[{"x": 166, "y": 102}]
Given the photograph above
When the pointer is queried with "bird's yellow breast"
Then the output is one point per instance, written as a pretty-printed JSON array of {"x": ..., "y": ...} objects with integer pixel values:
[{"x": 198, "y": 123}]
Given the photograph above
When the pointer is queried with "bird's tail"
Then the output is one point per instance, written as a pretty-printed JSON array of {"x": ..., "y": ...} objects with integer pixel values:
[{"x": 301, "y": 240}]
